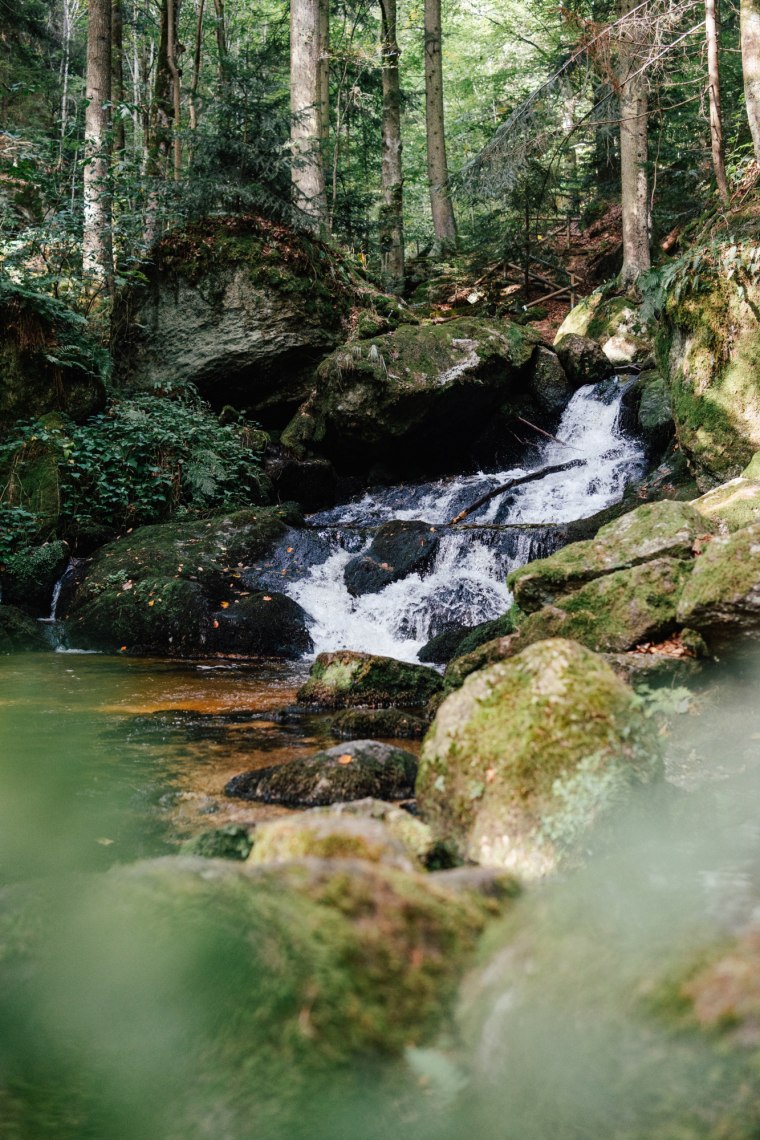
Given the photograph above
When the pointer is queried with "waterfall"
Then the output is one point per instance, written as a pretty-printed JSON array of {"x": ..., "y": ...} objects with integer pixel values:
[{"x": 465, "y": 582}]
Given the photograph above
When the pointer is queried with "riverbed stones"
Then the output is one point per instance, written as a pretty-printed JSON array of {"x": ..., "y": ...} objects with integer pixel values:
[
  {"x": 350, "y": 771},
  {"x": 398, "y": 549},
  {"x": 346, "y": 679},
  {"x": 525, "y": 757},
  {"x": 722, "y": 598},
  {"x": 392, "y": 724},
  {"x": 329, "y": 836}
]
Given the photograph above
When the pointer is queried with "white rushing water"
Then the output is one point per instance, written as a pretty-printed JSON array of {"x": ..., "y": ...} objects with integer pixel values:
[{"x": 465, "y": 581}]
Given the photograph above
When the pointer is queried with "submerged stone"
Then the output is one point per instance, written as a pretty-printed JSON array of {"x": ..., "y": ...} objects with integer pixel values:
[
  {"x": 399, "y": 548},
  {"x": 525, "y": 757},
  {"x": 344, "y": 679},
  {"x": 350, "y": 771},
  {"x": 357, "y": 724}
]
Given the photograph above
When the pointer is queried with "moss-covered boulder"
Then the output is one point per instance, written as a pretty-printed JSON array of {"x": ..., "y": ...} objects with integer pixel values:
[
  {"x": 157, "y": 590},
  {"x": 654, "y": 530},
  {"x": 420, "y": 396},
  {"x": 345, "y": 679},
  {"x": 399, "y": 548},
  {"x": 270, "y": 1001},
  {"x": 551, "y": 384},
  {"x": 261, "y": 625},
  {"x": 350, "y": 771},
  {"x": 709, "y": 347},
  {"x": 240, "y": 307},
  {"x": 230, "y": 842},
  {"x": 735, "y": 504},
  {"x": 582, "y": 358},
  {"x": 48, "y": 361},
  {"x": 415, "y": 837},
  {"x": 28, "y": 578},
  {"x": 721, "y": 599},
  {"x": 615, "y": 323},
  {"x": 19, "y": 633},
  {"x": 444, "y": 645},
  {"x": 329, "y": 836},
  {"x": 528, "y": 754},
  {"x": 497, "y": 649},
  {"x": 362, "y": 724}
]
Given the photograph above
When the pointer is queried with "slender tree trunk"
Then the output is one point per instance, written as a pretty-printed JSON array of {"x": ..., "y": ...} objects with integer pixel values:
[
  {"x": 633, "y": 163},
  {"x": 117, "y": 74},
  {"x": 160, "y": 134},
  {"x": 749, "y": 11},
  {"x": 197, "y": 54},
  {"x": 306, "y": 132},
  {"x": 392, "y": 209},
  {"x": 444, "y": 223},
  {"x": 97, "y": 252},
  {"x": 221, "y": 46},
  {"x": 176, "y": 76},
  {"x": 713, "y": 79}
]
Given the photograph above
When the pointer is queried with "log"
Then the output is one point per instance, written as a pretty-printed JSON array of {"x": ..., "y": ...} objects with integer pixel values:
[{"x": 537, "y": 474}]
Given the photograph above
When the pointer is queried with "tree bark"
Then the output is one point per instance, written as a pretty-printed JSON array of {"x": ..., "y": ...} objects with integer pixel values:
[
  {"x": 633, "y": 163},
  {"x": 392, "y": 209},
  {"x": 713, "y": 79},
  {"x": 197, "y": 55},
  {"x": 221, "y": 45},
  {"x": 172, "y": 9},
  {"x": 749, "y": 13},
  {"x": 117, "y": 75},
  {"x": 306, "y": 132},
  {"x": 444, "y": 223},
  {"x": 97, "y": 249}
]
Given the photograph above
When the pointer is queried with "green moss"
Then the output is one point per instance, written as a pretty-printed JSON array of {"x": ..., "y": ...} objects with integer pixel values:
[
  {"x": 29, "y": 577},
  {"x": 345, "y": 678},
  {"x": 231, "y": 842},
  {"x": 328, "y": 836},
  {"x": 721, "y": 598},
  {"x": 735, "y": 504},
  {"x": 19, "y": 633}
]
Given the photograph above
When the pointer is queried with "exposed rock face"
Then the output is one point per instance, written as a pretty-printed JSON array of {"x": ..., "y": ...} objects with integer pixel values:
[
  {"x": 722, "y": 598},
  {"x": 422, "y": 394},
  {"x": 524, "y": 758},
  {"x": 615, "y": 323},
  {"x": 175, "y": 589},
  {"x": 242, "y": 308},
  {"x": 736, "y": 504},
  {"x": 582, "y": 358},
  {"x": 398, "y": 549},
  {"x": 345, "y": 679},
  {"x": 649, "y": 411},
  {"x": 19, "y": 633},
  {"x": 349, "y": 771}
]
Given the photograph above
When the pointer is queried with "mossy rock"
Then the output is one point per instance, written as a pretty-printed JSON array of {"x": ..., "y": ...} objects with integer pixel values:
[
  {"x": 525, "y": 757},
  {"x": 19, "y": 633},
  {"x": 444, "y": 645},
  {"x": 460, "y": 667},
  {"x": 261, "y": 625},
  {"x": 415, "y": 837},
  {"x": 582, "y": 358},
  {"x": 654, "y": 530},
  {"x": 615, "y": 323},
  {"x": 345, "y": 679},
  {"x": 156, "y": 590},
  {"x": 487, "y": 631},
  {"x": 389, "y": 724},
  {"x": 709, "y": 347},
  {"x": 261, "y": 996},
  {"x": 550, "y": 381},
  {"x": 329, "y": 836},
  {"x": 29, "y": 577},
  {"x": 398, "y": 549},
  {"x": 230, "y": 842},
  {"x": 721, "y": 600},
  {"x": 350, "y": 771},
  {"x": 736, "y": 504}
]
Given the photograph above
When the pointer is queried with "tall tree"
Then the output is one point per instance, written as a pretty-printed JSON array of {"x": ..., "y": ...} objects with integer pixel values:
[
  {"x": 749, "y": 20},
  {"x": 117, "y": 74},
  {"x": 713, "y": 79},
  {"x": 306, "y": 91},
  {"x": 634, "y": 182},
  {"x": 97, "y": 250},
  {"x": 392, "y": 209},
  {"x": 444, "y": 222}
]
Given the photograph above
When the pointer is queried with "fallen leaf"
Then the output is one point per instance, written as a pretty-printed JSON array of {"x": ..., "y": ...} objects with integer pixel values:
[
  {"x": 346, "y": 758},
  {"x": 266, "y": 598},
  {"x": 104, "y": 842},
  {"x": 224, "y": 605}
]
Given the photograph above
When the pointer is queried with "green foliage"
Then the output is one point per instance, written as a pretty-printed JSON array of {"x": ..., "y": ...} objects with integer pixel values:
[
  {"x": 18, "y": 530},
  {"x": 696, "y": 272}
]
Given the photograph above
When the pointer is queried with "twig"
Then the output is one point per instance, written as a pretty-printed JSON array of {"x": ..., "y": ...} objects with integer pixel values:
[
  {"x": 548, "y": 434},
  {"x": 538, "y": 474}
]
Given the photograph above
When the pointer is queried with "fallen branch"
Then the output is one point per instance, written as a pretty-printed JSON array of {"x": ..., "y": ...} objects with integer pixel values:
[
  {"x": 538, "y": 474},
  {"x": 548, "y": 434}
]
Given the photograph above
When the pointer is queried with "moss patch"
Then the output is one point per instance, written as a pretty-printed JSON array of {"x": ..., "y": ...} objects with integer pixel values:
[
  {"x": 722, "y": 598},
  {"x": 344, "y": 679}
]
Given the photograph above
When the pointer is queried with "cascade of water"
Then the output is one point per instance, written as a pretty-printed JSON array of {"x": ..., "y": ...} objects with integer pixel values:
[{"x": 465, "y": 581}]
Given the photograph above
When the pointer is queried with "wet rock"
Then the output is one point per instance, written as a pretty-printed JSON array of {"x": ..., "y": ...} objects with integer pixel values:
[
  {"x": 345, "y": 679},
  {"x": 487, "y": 631},
  {"x": 329, "y": 836},
  {"x": 399, "y": 548},
  {"x": 444, "y": 645},
  {"x": 654, "y": 411},
  {"x": 721, "y": 600},
  {"x": 261, "y": 625},
  {"x": 392, "y": 724},
  {"x": 582, "y": 359},
  {"x": 310, "y": 482},
  {"x": 19, "y": 633},
  {"x": 550, "y": 384},
  {"x": 655, "y": 530},
  {"x": 350, "y": 771},
  {"x": 231, "y": 842},
  {"x": 525, "y": 757},
  {"x": 27, "y": 579}
]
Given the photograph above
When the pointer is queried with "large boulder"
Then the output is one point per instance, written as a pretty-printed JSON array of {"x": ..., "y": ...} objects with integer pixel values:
[
  {"x": 424, "y": 395},
  {"x": 525, "y": 757},
  {"x": 240, "y": 307},
  {"x": 584, "y": 361},
  {"x": 399, "y": 548},
  {"x": 735, "y": 504},
  {"x": 654, "y": 530},
  {"x": 344, "y": 679},
  {"x": 350, "y": 771},
  {"x": 615, "y": 323},
  {"x": 708, "y": 347},
  {"x": 721, "y": 600},
  {"x": 328, "y": 835},
  {"x": 19, "y": 633},
  {"x": 271, "y": 1001},
  {"x": 357, "y": 724},
  {"x": 175, "y": 589}
]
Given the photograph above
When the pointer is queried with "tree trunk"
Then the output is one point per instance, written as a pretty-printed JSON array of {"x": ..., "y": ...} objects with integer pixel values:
[
  {"x": 713, "y": 78},
  {"x": 633, "y": 162},
  {"x": 306, "y": 131},
  {"x": 97, "y": 251},
  {"x": 117, "y": 75},
  {"x": 197, "y": 55},
  {"x": 172, "y": 56},
  {"x": 750, "y": 37},
  {"x": 161, "y": 114},
  {"x": 392, "y": 209},
  {"x": 444, "y": 223},
  {"x": 221, "y": 45}
]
